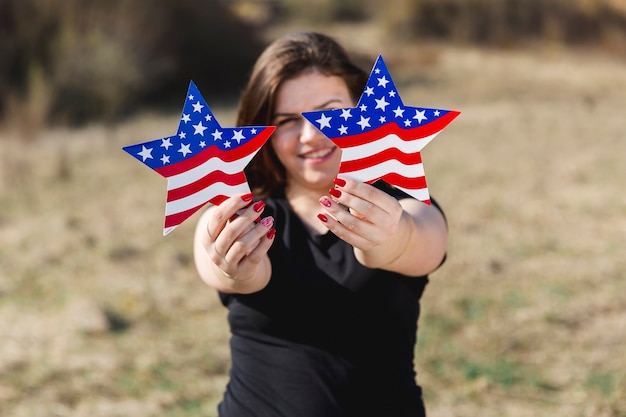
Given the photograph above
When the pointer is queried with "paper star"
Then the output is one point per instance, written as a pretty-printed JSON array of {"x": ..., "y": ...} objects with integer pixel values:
[
  {"x": 200, "y": 170},
  {"x": 380, "y": 142}
]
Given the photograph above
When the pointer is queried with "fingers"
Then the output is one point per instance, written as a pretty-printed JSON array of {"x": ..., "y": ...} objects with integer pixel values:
[
  {"x": 354, "y": 230},
  {"x": 238, "y": 236},
  {"x": 372, "y": 214},
  {"x": 225, "y": 211}
]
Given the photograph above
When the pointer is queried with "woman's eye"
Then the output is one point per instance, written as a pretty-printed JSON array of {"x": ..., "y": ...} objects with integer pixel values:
[{"x": 286, "y": 121}]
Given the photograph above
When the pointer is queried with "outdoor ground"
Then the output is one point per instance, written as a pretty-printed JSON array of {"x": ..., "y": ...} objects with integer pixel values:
[{"x": 101, "y": 316}]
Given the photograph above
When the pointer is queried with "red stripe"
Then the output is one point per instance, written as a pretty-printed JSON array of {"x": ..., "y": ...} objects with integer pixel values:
[
  {"x": 393, "y": 128},
  {"x": 379, "y": 158},
  {"x": 176, "y": 219},
  {"x": 229, "y": 155},
  {"x": 416, "y": 183},
  {"x": 204, "y": 182}
]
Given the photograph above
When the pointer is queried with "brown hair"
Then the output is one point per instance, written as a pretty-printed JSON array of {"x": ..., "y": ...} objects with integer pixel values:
[{"x": 285, "y": 59}]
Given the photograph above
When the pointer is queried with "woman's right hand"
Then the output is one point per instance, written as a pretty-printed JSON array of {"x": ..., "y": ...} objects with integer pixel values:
[{"x": 231, "y": 244}]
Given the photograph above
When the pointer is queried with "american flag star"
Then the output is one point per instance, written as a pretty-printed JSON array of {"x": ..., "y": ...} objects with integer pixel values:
[
  {"x": 381, "y": 138},
  {"x": 203, "y": 162}
]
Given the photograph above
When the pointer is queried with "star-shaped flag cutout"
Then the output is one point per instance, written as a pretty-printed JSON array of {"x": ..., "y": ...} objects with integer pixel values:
[
  {"x": 381, "y": 138},
  {"x": 203, "y": 162}
]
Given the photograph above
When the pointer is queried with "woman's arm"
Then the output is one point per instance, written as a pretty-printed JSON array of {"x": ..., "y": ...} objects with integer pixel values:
[{"x": 405, "y": 236}]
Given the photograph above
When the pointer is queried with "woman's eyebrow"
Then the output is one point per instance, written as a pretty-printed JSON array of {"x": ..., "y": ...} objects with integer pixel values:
[
  {"x": 321, "y": 106},
  {"x": 326, "y": 104}
]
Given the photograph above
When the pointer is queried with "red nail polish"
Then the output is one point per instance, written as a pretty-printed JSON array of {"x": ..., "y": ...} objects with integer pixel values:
[
  {"x": 334, "y": 192},
  {"x": 340, "y": 182},
  {"x": 258, "y": 206},
  {"x": 247, "y": 197},
  {"x": 325, "y": 201},
  {"x": 322, "y": 217},
  {"x": 270, "y": 235}
]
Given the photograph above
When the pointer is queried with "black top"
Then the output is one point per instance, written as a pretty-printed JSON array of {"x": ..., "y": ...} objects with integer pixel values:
[{"x": 327, "y": 336}]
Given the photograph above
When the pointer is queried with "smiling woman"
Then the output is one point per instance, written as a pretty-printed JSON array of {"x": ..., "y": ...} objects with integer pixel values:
[
  {"x": 310, "y": 159},
  {"x": 322, "y": 276}
]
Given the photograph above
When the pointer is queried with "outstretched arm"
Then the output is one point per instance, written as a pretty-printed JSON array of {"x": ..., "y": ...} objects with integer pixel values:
[{"x": 404, "y": 236}]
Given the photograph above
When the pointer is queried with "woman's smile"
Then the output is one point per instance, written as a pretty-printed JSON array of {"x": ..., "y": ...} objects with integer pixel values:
[{"x": 318, "y": 155}]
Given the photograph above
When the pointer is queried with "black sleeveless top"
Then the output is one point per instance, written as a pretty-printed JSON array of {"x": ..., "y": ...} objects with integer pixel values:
[{"x": 327, "y": 336}]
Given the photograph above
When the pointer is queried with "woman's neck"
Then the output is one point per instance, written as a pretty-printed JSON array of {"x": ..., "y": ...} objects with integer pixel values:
[{"x": 305, "y": 203}]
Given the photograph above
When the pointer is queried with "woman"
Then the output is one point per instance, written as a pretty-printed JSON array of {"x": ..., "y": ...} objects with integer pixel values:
[{"x": 322, "y": 275}]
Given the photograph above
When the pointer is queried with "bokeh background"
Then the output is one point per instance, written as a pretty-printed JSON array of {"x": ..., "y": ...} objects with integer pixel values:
[{"x": 102, "y": 316}]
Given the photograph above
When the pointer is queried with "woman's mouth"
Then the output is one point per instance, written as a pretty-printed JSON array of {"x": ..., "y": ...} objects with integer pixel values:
[{"x": 319, "y": 154}]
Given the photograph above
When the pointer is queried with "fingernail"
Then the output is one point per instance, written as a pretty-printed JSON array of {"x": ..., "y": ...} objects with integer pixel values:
[
  {"x": 267, "y": 222},
  {"x": 258, "y": 206},
  {"x": 340, "y": 182},
  {"x": 325, "y": 201},
  {"x": 322, "y": 217},
  {"x": 247, "y": 197},
  {"x": 334, "y": 192},
  {"x": 270, "y": 235}
]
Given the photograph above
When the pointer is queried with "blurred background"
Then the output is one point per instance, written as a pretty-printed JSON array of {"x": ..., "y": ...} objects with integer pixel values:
[{"x": 102, "y": 316}]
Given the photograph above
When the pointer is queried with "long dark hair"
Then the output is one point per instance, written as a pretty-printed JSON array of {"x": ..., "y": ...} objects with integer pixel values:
[{"x": 285, "y": 59}]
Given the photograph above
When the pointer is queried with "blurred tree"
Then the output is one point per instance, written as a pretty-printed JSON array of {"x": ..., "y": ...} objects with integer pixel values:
[{"x": 101, "y": 60}]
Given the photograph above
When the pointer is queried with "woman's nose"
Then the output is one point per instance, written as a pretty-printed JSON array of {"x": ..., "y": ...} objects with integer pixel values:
[{"x": 309, "y": 132}]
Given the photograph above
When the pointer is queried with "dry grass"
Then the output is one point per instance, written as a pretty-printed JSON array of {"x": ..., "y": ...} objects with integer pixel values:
[{"x": 102, "y": 316}]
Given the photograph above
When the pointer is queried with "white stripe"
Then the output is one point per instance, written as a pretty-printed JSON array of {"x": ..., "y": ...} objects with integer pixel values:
[
  {"x": 213, "y": 164},
  {"x": 377, "y": 171},
  {"x": 204, "y": 195},
  {"x": 387, "y": 142},
  {"x": 420, "y": 194}
]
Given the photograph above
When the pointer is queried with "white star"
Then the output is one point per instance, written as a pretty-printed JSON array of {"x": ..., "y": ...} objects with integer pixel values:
[
  {"x": 190, "y": 97},
  {"x": 324, "y": 121},
  {"x": 146, "y": 153},
  {"x": 217, "y": 135},
  {"x": 202, "y": 144},
  {"x": 382, "y": 82},
  {"x": 407, "y": 123},
  {"x": 381, "y": 103},
  {"x": 377, "y": 70},
  {"x": 197, "y": 107},
  {"x": 185, "y": 118},
  {"x": 227, "y": 144},
  {"x": 199, "y": 129},
  {"x": 364, "y": 122},
  {"x": 184, "y": 149},
  {"x": 369, "y": 91},
  {"x": 382, "y": 119},
  {"x": 436, "y": 113},
  {"x": 182, "y": 135},
  {"x": 253, "y": 131},
  {"x": 165, "y": 143},
  {"x": 208, "y": 117},
  {"x": 363, "y": 107},
  {"x": 419, "y": 115},
  {"x": 399, "y": 112},
  {"x": 392, "y": 94},
  {"x": 165, "y": 159},
  {"x": 238, "y": 135},
  {"x": 343, "y": 130},
  {"x": 345, "y": 114}
]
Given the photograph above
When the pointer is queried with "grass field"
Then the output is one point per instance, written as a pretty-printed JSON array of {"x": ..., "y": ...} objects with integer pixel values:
[{"x": 102, "y": 316}]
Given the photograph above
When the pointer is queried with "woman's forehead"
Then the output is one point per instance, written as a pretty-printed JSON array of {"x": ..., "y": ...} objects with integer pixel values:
[{"x": 310, "y": 90}]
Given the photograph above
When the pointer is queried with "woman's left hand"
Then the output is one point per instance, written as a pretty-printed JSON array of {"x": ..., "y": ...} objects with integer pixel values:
[{"x": 372, "y": 219}]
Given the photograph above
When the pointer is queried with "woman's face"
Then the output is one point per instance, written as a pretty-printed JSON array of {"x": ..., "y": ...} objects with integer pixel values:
[{"x": 311, "y": 159}]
